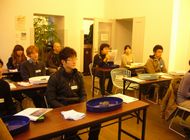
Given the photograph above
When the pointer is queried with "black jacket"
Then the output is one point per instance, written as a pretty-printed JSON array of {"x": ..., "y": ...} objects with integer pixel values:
[
  {"x": 7, "y": 106},
  {"x": 53, "y": 60},
  {"x": 64, "y": 88},
  {"x": 98, "y": 61},
  {"x": 30, "y": 69}
]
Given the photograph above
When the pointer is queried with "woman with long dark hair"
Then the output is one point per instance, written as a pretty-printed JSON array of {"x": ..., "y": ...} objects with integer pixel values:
[{"x": 16, "y": 58}]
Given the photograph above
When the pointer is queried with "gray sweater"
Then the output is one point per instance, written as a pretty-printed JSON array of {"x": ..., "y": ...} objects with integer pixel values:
[{"x": 183, "y": 93}]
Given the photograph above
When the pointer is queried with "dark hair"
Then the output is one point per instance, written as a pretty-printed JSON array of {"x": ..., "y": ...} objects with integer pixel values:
[
  {"x": 189, "y": 62},
  {"x": 67, "y": 52},
  {"x": 127, "y": 46},
  {"x": 157, "y": 47},
  {"x": 1, "y": 62},
  {"x": 104, "y": 45},
  {"x": 16, "y": 60}
]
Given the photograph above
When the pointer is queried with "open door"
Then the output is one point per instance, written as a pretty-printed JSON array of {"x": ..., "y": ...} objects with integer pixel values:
[{"x": 104, "y": 32}]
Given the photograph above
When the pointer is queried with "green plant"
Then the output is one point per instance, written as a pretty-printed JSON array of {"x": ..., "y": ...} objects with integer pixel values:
[{"x": 44, "y": 33}]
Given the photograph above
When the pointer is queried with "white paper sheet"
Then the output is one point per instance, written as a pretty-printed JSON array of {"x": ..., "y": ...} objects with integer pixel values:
[
  {"x": 125, "y": 98},
  {"x": 72, "y": 115}
]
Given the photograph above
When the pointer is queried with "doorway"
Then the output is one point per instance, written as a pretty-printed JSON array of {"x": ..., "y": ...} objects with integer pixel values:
[
  {"x": 47, "y": 30},
  {"x": 88, "y": 25}
]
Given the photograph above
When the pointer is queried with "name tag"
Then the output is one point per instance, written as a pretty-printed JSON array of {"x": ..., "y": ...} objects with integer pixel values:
[
  {"x": 74, "y": 87},
  {"x": 38, "y": 71},
  {"x": 2, "y": 100}
]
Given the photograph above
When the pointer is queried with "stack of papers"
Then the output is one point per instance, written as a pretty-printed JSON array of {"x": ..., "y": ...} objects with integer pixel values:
[
  {"x": 125, "y": 98},
  {"x": 25, "y": 84},
  {"x": 39, "y": 79},
  {"x": 34, "y": 113},
  {"x": 135, "y": 79},
  {"x": 72, "y": 115}
]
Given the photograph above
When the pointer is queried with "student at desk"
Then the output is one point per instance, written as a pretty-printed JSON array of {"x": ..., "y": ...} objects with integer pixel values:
[
  {"x": 127, "y": 57},
  {"x": 7, "y": 106},
  {"x": 101, "y": 60},
  {"x": 156, "y": 64},
  {"x": 53, "y": 61},
  {"x": 66, "y": 87},
  {"x": 30, "y": 68},
  {"x": 14, "y": 62},
  {"x": 17, "y": 57}
]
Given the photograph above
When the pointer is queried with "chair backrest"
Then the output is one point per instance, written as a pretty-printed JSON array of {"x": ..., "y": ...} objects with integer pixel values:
[{"x": 117, "y": 75}]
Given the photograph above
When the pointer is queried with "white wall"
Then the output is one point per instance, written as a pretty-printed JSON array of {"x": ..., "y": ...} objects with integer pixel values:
[
  {"x": 180, "y": 51},
  {"x": 73, "y": 11},
  {"x": 158, "y": 23},
  {"x": 123, "y": 36},
  {"x": 158, "y": 18}
]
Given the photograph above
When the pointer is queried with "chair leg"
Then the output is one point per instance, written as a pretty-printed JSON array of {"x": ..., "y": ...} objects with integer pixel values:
[
  {"x": 45, "y": 100},
  {"x": 170, "y": 125}
]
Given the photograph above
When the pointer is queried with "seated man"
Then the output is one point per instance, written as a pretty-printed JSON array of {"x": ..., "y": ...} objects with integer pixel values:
[
  {"x": 156, "y": 64},
  {"x": 66, "y": 87},
  {"x": 101, "y": 60},
  {"x": 53, "y": 61},
  {"x": 31, "y": 68},
  {"x": 7, "y": 106}
]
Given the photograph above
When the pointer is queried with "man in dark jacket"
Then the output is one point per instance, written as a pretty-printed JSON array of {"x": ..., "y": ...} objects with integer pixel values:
[
  {"x": 66, "y": 87},
  {"x": 53, "y": 61},
  {"x": 31, "y": 68},
  {"x": 101, "y": 60}
]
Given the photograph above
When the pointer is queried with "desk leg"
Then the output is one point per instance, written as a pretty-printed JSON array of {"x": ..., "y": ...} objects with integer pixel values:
[
  {"x": 119, "y": 128},
  {"x": 140, "y": 91},
  {"x": 124, "y": 82},
  {"x": 93, "y": 79},
  {"x": 143, "y": 124}
]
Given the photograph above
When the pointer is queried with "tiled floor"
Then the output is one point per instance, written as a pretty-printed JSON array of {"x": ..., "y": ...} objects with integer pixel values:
[{"x": 156, "y": 128}]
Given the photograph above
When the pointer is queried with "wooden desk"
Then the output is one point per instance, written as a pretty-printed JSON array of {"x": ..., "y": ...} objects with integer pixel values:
[
  {"x": 95, "y": 72},
  {"x": 12, "y": 75},
  {"x": 135, "y": 70},
  {"x": 142, "y": 83},
  {"x": 54, "y": 123},
  {"x": 32, "y": 87}
]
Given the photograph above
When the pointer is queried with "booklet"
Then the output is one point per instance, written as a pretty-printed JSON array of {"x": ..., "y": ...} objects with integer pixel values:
[{"x": 34, "y": 113}]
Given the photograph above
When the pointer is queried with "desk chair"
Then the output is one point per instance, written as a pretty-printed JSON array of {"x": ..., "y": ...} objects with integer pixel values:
[
  {"x": 96, "y": 79},
  {"x": 180, "y": 111},
  {"x": 117, "y": 76}
]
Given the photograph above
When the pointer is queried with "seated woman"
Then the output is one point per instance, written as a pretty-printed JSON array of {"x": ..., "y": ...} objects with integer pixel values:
[
  {"x": 101, "y": 60},
  {"x": 7, "y": 106},
  {"x": 15, "y": 60},
  {"x": 183, "y": 94},
  {"x": 127, "y": 57}
]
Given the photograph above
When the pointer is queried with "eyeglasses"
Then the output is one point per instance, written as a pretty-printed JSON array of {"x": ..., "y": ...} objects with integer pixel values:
[{"x": 72, "y": 59}]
